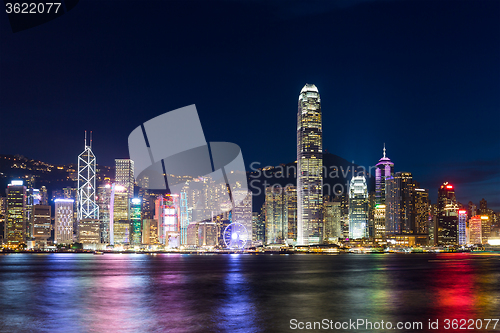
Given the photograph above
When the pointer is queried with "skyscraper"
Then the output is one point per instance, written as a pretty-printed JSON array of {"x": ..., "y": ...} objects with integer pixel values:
[
  {"x": 124, "y": 174},
  {"x": 332, "y": 218},
  {"x": 310, "y": 167},
  {"x": 447, "y": 216},
  {"x": 399, "y": 208},
  {"x": 15, "y": 225},
  {"x": 87, "y": 207},
  {"x": 135, "y": 218},
  {"x": 422, "y": 210},
  {"x": 63, "y": 233},
  {"x": 358, "y": 207},
  {"x": 462, "y": 224},
  {"x": 385, "y": 170},
  {"x": 41, "y": 224},
  {"x": 119, "y": 205},
  {"x": 242, "y": 213},
  {"x": 483, "y": 207}
]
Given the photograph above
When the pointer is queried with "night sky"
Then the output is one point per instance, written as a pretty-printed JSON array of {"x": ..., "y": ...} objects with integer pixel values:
[{"x": 422, "y": 76}]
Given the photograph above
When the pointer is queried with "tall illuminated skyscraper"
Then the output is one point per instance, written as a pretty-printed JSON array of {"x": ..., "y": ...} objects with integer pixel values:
[
  {"x": 385, "y": 169},
  {"x": 462, "y": 226},
  {"x": 15, "y": 224},
  {"x": 87, "y": 207},
  {"x": 124, "y": 174},
  {"x": 63, "y": 231},
  {"x": 447, "y": 216},
  {"x": 135, "y": 219},
  {"x": 399, "y": 209},
  {"x": 309, "y": 167},
  {"x": 358, "y": 207}
]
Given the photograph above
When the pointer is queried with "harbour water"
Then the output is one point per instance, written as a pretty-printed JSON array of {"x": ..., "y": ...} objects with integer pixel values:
[{"x": 67, "y": 292}]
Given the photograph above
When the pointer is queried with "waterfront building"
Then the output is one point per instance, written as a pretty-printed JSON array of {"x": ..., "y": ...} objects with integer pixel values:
[
  {"x": 89, "y": 231},
  {"x": 242, "y": 213},
  {"x": 103, "y": 201},
  {"x": 332, "y": 222},
  {"x": 281, "y": 215},
  {"x": 86, "y": 203},
  {"x": 119, "y": 206},
  {"x": 475, "y": 230},
  {"x": 124, "y": 174},
  {"x": 462, "y": 225},
  {"x": 358, "y": 207},
  {"x": 447, "y": 216},
  {"x": 135, "y": 220},
  {"x": 63, "y": 230},
  {"x": 167, "y": 214},
  {"x": 384, "y": 170},
  {"x": 400, "y": 218},
  {"x": 421, "y": 210},
  {"x": 310, "y": 167},
  {"x": 42, "y": 227},
  {"x": 15, "y": 224}
]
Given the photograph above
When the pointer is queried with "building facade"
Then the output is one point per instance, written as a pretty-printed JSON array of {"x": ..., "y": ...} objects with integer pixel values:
[
  {"x": 63, "y": 230},
  {"x": 124, "y": 174},
  {"x": 384, "y": 170},
  {"x": 447, "y": 216},
  {"x": 358, "y": 207},
  {"x": 15, "y": 222},
  {"x": 309, "y": 167}
]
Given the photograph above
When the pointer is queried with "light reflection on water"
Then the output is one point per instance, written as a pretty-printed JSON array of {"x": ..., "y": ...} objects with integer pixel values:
[{"x": 239, "y": 293}]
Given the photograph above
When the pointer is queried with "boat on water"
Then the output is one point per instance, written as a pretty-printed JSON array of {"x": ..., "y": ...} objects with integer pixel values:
[{"x": 98, "y": 252}]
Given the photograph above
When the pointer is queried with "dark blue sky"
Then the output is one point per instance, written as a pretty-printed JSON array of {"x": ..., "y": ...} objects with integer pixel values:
[{"x": 421, "y": 76}]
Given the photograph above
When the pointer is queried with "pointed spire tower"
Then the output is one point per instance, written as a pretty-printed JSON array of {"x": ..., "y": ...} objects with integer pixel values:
[
  {"x": 86, "y": 204},
  {"x": 385, "y": 170}
]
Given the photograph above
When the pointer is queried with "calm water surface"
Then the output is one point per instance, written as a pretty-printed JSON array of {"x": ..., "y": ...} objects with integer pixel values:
[{"x": 241, "y": 293}]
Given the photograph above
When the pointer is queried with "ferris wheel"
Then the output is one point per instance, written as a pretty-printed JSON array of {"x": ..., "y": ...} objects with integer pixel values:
[{"x": 235, "y": 236}]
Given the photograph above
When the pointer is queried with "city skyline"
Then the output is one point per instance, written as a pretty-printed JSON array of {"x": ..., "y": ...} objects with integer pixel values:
[{"x": 421, "y": 77}]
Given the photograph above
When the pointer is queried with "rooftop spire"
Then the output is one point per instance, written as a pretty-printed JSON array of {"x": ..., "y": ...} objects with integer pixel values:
[
  {"x": 85, "y": 139},
  {"x": 384, "y": 149}
]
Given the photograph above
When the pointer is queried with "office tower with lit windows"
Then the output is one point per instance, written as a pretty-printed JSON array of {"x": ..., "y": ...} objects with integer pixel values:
[
  {"x": 291, "y": 214},
  {"x": 422, "y": 210},
  {"x": 447, "y": 216},
  {"x": 167, "y": 214},
  {"x": 119, "y": 215},
  {"x": 309, "y": 167},
  {"x": 385, "y": 170},
  {"x": 44, "y": 197},
  {"x": 86, "y": 203},
  {"x": 242, "y": 213},
  {"x": 3, "y": 213},
  {"x": 135, "y": 219},
  {"x": 63, "y": 227},
  {"x": 399, "y": 204},
  {"x": 332, "y": 222},
  {"x": 15, "y": 224},
  {"x": 462, "y": 226},
  {"x": 124, "y": 174},
  {"x": 259, "y": 226},
  {"x": 274, "y": 212},
  {"x": 475, "y": 230},
  {"x": 280, "y": 210},
  {"x": 183, "y": 217},
  {"x": 42, "y": 227},
  {"x": 485, "y": 228},
  {"x": 89, "y": 232},
  {"x": 103, "y": 201},
  {"x": 358, "y": 207}
]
